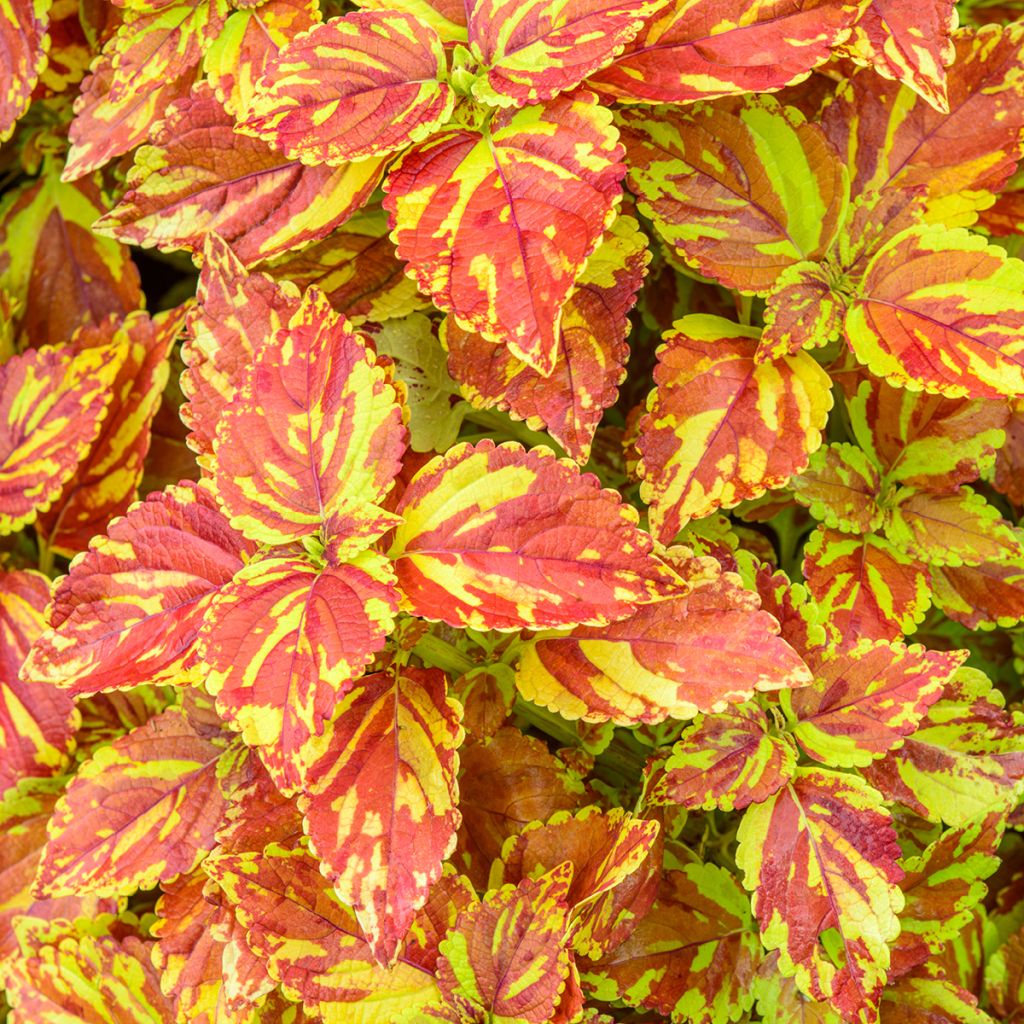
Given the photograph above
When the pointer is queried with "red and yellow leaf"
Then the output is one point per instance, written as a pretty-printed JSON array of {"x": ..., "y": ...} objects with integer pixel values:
[
  {"x": 387, "y": 91},
  {"x": 24, "y": 41},
  {"x": 199, "y": 176},
  {"x": 475, "y": 548},
  {"x": 283, "y": 641},
  {"x": 721, "y": 428},
  {"x": 802, "y": 311},
  {"x": 740, "y": 191},
  {"x": 821, "y": 854},
  {"x": 313, "y": 436},
  {"x": 497, "y": 224},
  {"x": 130, "y": 608},
  {"x": 139, "y": 811},
  {"x": 700, "y": 650},
  {"x": 986, "y": 595},
  {"x": 52, "y": 404},
  {"x": 842, "y": 488},
  {"x": 380, "y": 804}
]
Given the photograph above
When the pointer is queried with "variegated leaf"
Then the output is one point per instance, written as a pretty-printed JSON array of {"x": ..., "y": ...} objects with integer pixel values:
[
  {"x": 802, "y": 311},
  {"x": 24, "y": 42},
  {"x": 841, "y": 488}
]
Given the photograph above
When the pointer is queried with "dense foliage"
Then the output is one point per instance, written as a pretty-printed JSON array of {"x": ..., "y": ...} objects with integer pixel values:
[{"x": 577, "y": 575}]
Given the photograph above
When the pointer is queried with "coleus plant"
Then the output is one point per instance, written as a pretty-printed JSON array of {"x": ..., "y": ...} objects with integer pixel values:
[{"x": 531, "y": 531}]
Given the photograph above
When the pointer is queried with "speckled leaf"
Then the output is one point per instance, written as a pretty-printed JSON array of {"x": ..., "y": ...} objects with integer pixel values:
[
  {"x": 52, "y": 404},
  {"x": 496, "y": 225},
  {"x": 698, "y": 651},
  {"x": 721, "y": 428},
  {"x": 710, "y": 48},
  {"x": 867, "y": 696},
  {"x": 822, "y": 854},
  {"x": 740, "y": 191},
  {"x": 966, "y": 757},
  {"x": 841, "y": 488},
  {"x": 313, "y": 437},
  {"x": 380, "y": 804},
  {"x": 24, "y": 42},
  {"x": 725, "y": 761},
  {"x": 138, "y": 812},
  {"x": 129, "y": 610},
  {"x": 802, "y": 311},
  {"x": 199, "y": 176},
  {"x": 311, "y": 942},
  {"x": 475, "y": 548},
  {"x": 865, "y": 585},
  {"x": 283, "y": 641}
]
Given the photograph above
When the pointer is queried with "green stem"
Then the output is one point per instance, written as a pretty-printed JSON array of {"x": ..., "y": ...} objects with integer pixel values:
[
  {"x": 45, "y": 558},
  {"x": 436, "y": 653},
  {"x": 501, "y": 423}
]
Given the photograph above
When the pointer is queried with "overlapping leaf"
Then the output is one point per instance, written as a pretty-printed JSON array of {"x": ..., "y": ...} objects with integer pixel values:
[
  {"x": 802, "y": 311},
  {"x": 841, "y": 488},
  {"x": 991, "y": 594},
  {"x": 741, "y": 192},
  {"x": 821, "y": 854},
  {"x": 129, "y": 610},
  {"x": 312, "y": 438},
  {"x": 497, "y": 224},
  {"x": 380, "y": 805},
  {"x": 474, "y": 548},
  {"x": 199, "y": 176},
  {"x": 720, "y": 427},
  {"x": 23, "y": 37},
  {"x": 699, "y": 651}
]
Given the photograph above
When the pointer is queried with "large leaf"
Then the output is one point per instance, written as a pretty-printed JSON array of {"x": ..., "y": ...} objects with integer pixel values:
[
  {"x": 740, "y": 191},
  {"x": 385, "y": 71},
  {"x": 965, "y": 759},
  {"x": 710, "y": 48},
  {"x": 23, "y": 28},
  {"x": 380, "y": 804},
  {"x": 721, "y": 428},
  {"x": 529, "y": 52},
  {"x": 199, "y": 176},
  {"x": 692, "y": 957},
  {"x": 497, "y": 224},
  {"x": 940, "y": 309},
  {"x": 697, "y": 651},
  {"x": 495, "y": 537},
  {"x": 284, "y": 640},
  {"x": 52, "y": 404},
  {"x": 311, "y": 943},
  {"x": 129, "y": 610},
  {"x": 867, "y": 695},
  {"x": 312, "y": 438},
  {"x": 821, "y": 854},
  {"x": 140, "y": 811}
]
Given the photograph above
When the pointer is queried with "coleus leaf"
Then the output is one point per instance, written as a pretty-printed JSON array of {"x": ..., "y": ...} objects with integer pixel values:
[
  {"x": 283, "y": 641},
  {"x": 964, "y": 759},
  {"x": 699, "y": 650},
  {"x": 236, "y": 313},
  {"x": 986, "y": 595},
  {"x": 107, "y": 480},
  {"x": 865, "y": 585},
  {"x": 380, "y": 804},
  {"x": 841, "y": 488},
  {"x": 386, "y": 72},
  {"x": 740, "y": 191},
  {"x": 148, "y": 63},
  {"x": 23, "y": 37},
  {"x": 802, "y": 311},
  {"x": 908, "y": 43},
  {"x": 592, "y": 351},
  {"x": 915, "y": 321},
  {"x": 37, "y": 721},
  {"x": 311, "y": 943},
  {"x": 475, "y": 548},
  {"x": 721, "y": 428},
  {"x": 312, "y": 438},
  {"x": 139, "y": 811},
  {"x": 496, "y": 224},
  {"x": 692, "y": 957},
  {"x": 62, "y": 275},
  {"x": 726, "y": 761},
  {"x": 238, "y": 57},
  {"x": 530, "y": 52},
  {"x": 130, "y": 608},
  {"x": 199, "y": 176},
  {"x": 506, "y": 955},
  {"x": 707, "y": 48},
  {"x": 52, "y": 404},
  {"x": 892, "y": 138},
  {"x": 919, "y": 995},
  {"x": 821, "y": 854},
  {"x": 867, "y": 696}
]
